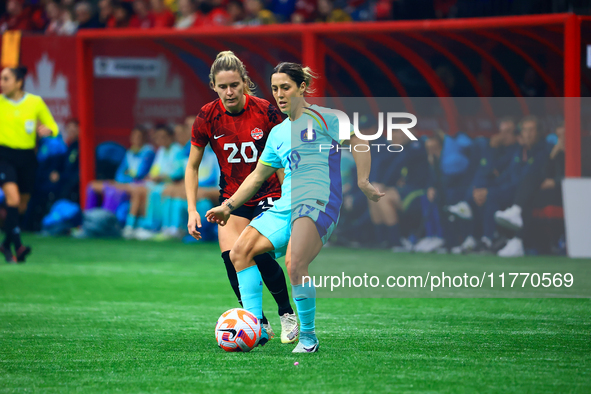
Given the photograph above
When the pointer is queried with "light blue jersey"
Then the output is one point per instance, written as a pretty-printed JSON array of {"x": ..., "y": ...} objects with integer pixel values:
[
  {"x": 312, "y": 184},
  {"x": 312, "y": 168}
]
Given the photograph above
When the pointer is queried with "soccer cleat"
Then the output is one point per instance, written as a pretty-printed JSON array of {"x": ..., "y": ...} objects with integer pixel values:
[
  {"x": 142, "y": 234},
  {"x": 264, "y": 337},
  {"x": 128, "y": 232},
  {"x": 456, "y": 250},
  {"x": 22, "y": 252},
  {"x": 429, "y": 245},
  {"x": 514, "y": 248},
  {"x": 484, "y": 246},
  {"x": 10, "y": 259},
  {"x": 510, "y": 218},
  {"x": 270, "y": 331},
  {"x": 461, "y": 210},
  {"x": 308, "y": 343},
  {"x": 289, "y": 328},
  {"x": 468, "y": 245},
  {"x": 405, "y": 247}
]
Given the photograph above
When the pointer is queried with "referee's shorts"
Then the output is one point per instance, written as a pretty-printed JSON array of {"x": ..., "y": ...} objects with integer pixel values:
[{"x": 18, "y": 166}]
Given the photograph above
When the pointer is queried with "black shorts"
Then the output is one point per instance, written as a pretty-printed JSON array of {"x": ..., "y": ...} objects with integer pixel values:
[
  {"x": 252, "y": 212},
  {"x": 18, "y": 166}
]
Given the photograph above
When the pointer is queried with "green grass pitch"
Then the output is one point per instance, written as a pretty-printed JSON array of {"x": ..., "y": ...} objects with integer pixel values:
[{"x": 116, "y": 316}]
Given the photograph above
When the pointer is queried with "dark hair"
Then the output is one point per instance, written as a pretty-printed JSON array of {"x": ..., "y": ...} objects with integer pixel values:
[
  {"x": 19, "y": 74},
  {"x": 165, "y": 127},
  {"x": 507, "y": 119},
  {"x": 140, "y": 128},
  {"x": 73, "y": 120},
  {"x": 297, "y": 73}
]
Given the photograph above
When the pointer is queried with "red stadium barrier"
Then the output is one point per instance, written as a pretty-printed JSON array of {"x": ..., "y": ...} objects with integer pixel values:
[{"x": 353, "y": 59}]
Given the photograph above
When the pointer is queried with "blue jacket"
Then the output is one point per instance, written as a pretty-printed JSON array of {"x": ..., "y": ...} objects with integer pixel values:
[
  {"x": 522, "y": 162},
  {"x": 136, "y": 165},
  {"x": 409, "y": 167}
]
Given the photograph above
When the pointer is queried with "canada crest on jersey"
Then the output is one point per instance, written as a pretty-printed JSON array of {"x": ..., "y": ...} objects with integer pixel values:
[{"x": 256, "y": 133}]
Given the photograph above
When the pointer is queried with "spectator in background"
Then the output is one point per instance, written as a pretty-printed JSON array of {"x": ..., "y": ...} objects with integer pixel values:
[
  {"x": 17, "y": 17},
  {"x": 187, "y": 14},
  {"x": 491, "y": 195},
  {"x": 215, "y": 13},
  {"x": 145, "y": 211},
  {"x": 142, "y": 17},
  {"x": 494, "y": 158},
  {"x": 305, "y": 11},
  {"x": 174, "y": 198},
  {"x": 283, "y": 9},
  {"x": 68, "y": 175},
  {"x": 69, "y": 26},
  {"x": 235, "y": 11},
  {"x": 255, "y": 14},
  {"x": 121, "y": 15},
  {"x": 435, "y": 194},
  {"x": 134, "y": 168},
  {"x": 60, "y": 19},
  {"x": 328, "y": 13},
  {"x": 404, "y": 177},
  {"x": 105, "y": 13},
  {"x": 539, "y": 189},
  {"x": 53, "y": 10},
  {"x": 85, "y": 16},
  {"x": 161, "y": 15}
]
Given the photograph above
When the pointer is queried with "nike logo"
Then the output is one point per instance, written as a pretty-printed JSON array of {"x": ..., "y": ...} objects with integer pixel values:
[
  {"x": 215, "y": 137},
  {"x": 280, "y": 146},
  {"x": 230, "y": 330}
]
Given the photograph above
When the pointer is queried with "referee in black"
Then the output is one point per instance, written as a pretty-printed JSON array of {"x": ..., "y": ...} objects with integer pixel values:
[{"x": 23, "y": 118}]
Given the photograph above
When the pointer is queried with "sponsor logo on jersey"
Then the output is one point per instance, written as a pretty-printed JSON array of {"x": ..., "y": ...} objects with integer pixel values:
[
  {"x": 30, "y": 126},
  {"x": 256, "y": 133}
]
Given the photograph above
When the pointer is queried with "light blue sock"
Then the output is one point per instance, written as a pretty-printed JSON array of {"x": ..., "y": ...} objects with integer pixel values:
[
  {"x": 304, "y": 296},
  {"x": 130, "y": 221},
  {"x": 144, "y": 223},
  {"x": 154, "y": 208},
  {"x": 167, "y": 212},
  {"x": 250, "y": 284},
  {"x": 179, "y": 206}
]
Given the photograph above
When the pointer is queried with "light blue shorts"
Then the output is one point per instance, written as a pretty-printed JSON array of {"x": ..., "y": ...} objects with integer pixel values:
[{"x": 275, "y": 225}]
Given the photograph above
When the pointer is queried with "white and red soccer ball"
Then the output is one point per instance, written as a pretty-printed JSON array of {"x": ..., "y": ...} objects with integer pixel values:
[{"x": 238, "y": 330}]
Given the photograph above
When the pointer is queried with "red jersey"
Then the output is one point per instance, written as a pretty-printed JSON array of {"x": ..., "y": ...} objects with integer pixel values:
[{"x": 238, "y": 141}]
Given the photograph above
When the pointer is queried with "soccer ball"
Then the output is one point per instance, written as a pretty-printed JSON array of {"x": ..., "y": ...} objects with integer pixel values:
[{"x": 238, "y": 330}]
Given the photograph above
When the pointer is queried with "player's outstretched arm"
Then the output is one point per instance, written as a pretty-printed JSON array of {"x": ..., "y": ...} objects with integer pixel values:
[
  {"x": 191, "y": 188},
  {"x": 249, "y": 187},
  {"x": 362, "y": 159}
]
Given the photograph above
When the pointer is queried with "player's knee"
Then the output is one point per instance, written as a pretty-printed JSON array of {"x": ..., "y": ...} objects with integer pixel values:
[
  {"x": 238, "y": 256},
  {"x": 12, "y": 196},
  {"x": 296, "y": 268}
]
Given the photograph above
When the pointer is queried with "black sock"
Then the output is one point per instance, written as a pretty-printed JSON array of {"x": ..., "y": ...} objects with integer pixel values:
[
  {"x": 11, "y": 230},
  {"x": 393, "y": 233},
  {"x": 380, "y": 234},
  {"x": 231, "y": 271},
  {"x": 274, "y": 279}
]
